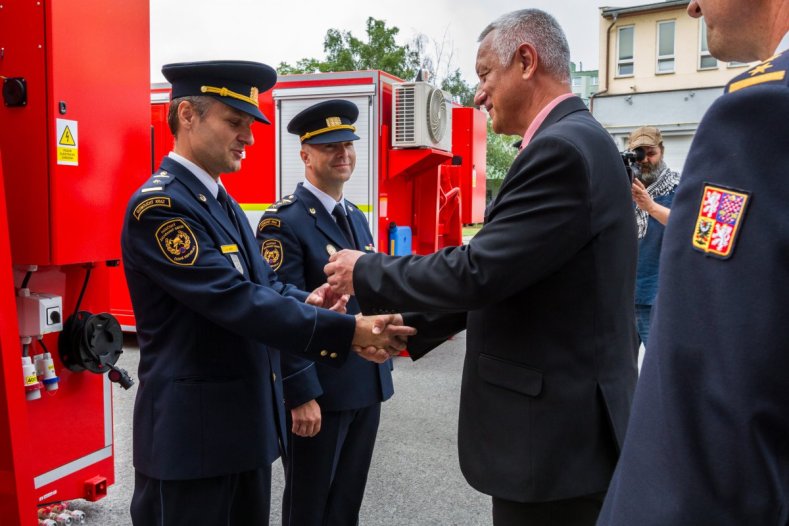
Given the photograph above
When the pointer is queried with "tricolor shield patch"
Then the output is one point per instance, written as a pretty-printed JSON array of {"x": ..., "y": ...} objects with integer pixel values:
[{"x": 719, "y": 221}]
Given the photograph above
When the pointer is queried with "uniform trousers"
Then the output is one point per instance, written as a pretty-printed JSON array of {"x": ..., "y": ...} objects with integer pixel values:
[
  {"x": 577, "y": 511},
  {"x": 229, "y": 500},
  {"x": 325, "y": 475}
]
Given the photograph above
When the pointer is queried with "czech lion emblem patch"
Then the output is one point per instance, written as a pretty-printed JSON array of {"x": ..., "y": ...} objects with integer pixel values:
[
  {"x": 720, "y": 217},
  {"x": 177, "y": 242},
  {"x": 272, "y": 252}
]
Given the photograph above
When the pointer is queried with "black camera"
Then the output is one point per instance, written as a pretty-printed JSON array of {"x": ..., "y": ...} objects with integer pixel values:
[{"x": 632, "y": 160}]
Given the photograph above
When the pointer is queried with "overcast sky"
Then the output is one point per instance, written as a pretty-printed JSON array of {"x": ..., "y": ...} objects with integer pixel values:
[{"x": 273, "y": 32}]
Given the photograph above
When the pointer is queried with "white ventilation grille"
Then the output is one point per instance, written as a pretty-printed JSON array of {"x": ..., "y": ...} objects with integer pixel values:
[
  {"x": 422, "y": 117},
  {"x": 404, "y": 114}
]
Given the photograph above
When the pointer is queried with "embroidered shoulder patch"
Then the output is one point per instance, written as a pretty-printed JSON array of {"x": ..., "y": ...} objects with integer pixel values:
[
  {"x": 177, "y": 242},
  {"x": 152, "y": 202},
  {"x": 720, "y": 217},
  {"x": 272, "y": 252},
  {"x": 268, "y": 221}
]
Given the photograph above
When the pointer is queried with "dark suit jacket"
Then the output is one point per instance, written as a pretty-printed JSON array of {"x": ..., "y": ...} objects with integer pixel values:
[
  {"x": 547, "y": 285},
  {"x": 305, "y": 235},
  {"x": 709, "y": 439},
  {"x": 207, "y": 308}
]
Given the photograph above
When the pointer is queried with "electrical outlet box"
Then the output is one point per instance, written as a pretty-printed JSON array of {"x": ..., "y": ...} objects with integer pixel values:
[{"x": 39, "y": 313}]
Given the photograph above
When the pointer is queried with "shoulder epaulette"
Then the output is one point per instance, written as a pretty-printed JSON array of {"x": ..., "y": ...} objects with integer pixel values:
[
  {"x": 158, "y": 181},
  {"x": 282, "y": 203},
  {"x": 771, "y": 71}
]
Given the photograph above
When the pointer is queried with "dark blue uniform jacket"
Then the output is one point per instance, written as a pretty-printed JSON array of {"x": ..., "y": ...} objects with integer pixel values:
[
  {"x": 298, "y": 235},
  {"x": 708, "y": 441},
  {"x": 209, "y": 310}
]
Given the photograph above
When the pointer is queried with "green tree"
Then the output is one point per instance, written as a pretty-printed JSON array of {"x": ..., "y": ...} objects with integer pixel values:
[
  {"x": 500, "y": 155},
  {"x": 345, "y": 52},
  {"x": 457, "y": 86}
]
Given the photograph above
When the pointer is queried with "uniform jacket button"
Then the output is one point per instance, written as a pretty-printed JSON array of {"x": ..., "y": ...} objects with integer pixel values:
[
  {"x": 324, "y": 352},
  {"x": 333, "y": 355}
]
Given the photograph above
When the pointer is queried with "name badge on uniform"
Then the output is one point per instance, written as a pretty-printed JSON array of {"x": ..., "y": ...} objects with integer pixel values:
[{"x": 720, "y": 217}]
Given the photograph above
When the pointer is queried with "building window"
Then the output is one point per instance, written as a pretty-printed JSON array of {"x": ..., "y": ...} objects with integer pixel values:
[
  {"x": 738, "y": 64},
  {"x": 624, "y": 63},
  {"x": 706, "y": 61},
  {"x": 595, "y": 81},
  {"x": 665, "y": 47},
  {"x": 576, "y": 82}
]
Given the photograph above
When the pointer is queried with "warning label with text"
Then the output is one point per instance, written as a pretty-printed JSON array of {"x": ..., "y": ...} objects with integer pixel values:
[{"x": 67, "y": 141}]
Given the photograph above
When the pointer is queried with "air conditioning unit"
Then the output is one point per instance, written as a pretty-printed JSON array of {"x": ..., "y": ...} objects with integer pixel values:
[{"x": 422, "y": 116}]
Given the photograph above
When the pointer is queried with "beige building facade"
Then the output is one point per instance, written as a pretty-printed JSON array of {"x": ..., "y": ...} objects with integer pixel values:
[{"x": 655, "y": 69}]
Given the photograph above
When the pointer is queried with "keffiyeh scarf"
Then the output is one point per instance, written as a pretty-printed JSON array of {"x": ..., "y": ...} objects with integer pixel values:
[{"x": 665, "y": 183}]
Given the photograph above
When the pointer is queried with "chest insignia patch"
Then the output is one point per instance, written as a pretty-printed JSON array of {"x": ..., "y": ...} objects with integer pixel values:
[
  {"x": 177, "y": 242},
  {"x": 272, "y": 252},
  {"x": 719, "y": 220}
]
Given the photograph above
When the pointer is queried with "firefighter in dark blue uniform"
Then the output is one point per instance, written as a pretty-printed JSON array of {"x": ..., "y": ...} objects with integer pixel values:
[
  {"x": 708, "y": 439},
  {"x": 334, "y": 413},
  {"x": 209, "y": 418}
]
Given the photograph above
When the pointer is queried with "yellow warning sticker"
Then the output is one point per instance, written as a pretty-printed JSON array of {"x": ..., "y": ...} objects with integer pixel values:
[{"x": 67, "y": 137}]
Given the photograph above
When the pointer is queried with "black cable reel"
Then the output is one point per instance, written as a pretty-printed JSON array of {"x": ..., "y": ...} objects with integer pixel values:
[{"x": 93, "y": 342}]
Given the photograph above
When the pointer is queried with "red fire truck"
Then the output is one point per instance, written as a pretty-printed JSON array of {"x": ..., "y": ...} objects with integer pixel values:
[{"x": 75, "y": 142}]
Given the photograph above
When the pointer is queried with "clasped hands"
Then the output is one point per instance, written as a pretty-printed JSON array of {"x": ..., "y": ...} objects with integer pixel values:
[{"x": 376, "y": 338}]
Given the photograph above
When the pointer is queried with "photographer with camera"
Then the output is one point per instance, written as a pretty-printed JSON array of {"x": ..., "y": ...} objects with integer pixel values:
[{"x": 653, "y": 190}]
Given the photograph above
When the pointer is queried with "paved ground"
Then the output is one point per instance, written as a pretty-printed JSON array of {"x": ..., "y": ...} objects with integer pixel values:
[{"x": 415, "y": 479}]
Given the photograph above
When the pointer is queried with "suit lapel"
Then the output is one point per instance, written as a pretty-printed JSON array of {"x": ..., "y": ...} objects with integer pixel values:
[
  {"x": 248, "y": 246},
  {"x": 198, "y": 189},
  {"x": 324, "y": 222},
  {"x": 562, "y": 110},
  {"x": 360, "y": 227}
]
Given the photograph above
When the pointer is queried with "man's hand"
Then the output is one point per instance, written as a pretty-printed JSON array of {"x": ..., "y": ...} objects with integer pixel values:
[
  {"x": 306, "y": 419},
  {"x": 325, "y": 297},
  {"x": 645, "y": 202},
  {"x": 377, "y": 338},
  {"x": 641, "y": 197},
  {"x": 339, "y": 270}
]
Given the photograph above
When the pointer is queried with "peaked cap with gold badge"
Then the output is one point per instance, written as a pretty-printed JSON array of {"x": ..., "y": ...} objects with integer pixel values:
[
  {"x": 237, "y": 83},
  {"x": 326, "y": 122}
]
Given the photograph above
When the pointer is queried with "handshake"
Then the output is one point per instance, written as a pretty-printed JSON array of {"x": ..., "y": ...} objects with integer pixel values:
[{"x": 376, "y": 338}]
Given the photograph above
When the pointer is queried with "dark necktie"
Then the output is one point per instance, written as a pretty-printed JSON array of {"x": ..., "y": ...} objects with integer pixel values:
[
  {"x": 224, "y": 201},
  {"x": 342, "y": 222}
]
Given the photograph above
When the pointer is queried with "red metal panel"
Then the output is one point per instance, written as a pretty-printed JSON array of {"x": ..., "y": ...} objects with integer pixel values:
[
  {"x": 255, "y": 183},
  {"x": 16, "y": 476},
  {"x": 85, "y": 61},
  {"x": 100, "y": 72},
  {"x": 421, "y": 167},
  {"x": 469, "y": 136},
  {"x": 160, "y": 133},
  {"x": 450, "y": 228},
  {"x": 23, "y": 131},
  {"x": 78, "y": 402}
]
